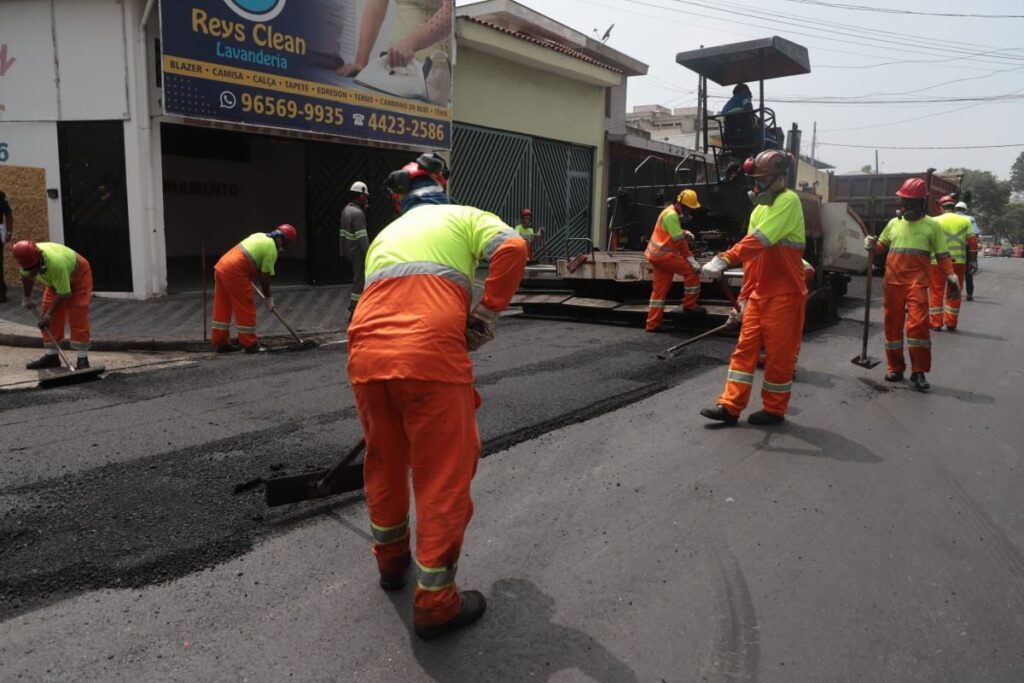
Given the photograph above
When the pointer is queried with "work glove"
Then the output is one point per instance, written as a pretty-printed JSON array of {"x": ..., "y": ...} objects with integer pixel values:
[
  {"x": 713, "y": 269},
  {"x": 269, "y": 303},
  {"x": 480, "y": 327},
  {"x": 44, "y": 322},
  {"x": 693, "y": 263},
  {"x": 26, "y": 301},
  {"x": 869, "y": 242},
  {"x": 735, "y": 319},
  {"x": 973, "y": 268},
  {"x": 952, "y": 287}
]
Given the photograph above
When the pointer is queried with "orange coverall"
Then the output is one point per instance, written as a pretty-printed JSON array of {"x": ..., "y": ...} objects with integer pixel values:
[
  {"x": 232, "y": 288},
  {"x": 668, "y": 253},
  {"x": 957, "y": 229},
  {"x": 413, "y": 383},
  {"x": 907, "y": 274},
  {"x": 776, "y": 292},
  {"x": 75, "y": 309}
]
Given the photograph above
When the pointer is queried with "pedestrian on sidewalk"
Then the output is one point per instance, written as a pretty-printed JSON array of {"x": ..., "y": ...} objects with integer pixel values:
[
  {"x": 354, "y": 240},
  {"x": 410, "y": 371},
  {"x": 669, "y": 253},
  {"x": 909, "y": 241},
  {"x": 773, "y": 315},
  {"x": 251, "y": 260},
  {"x": 67, "y": 280},
  {"x": 6, "y": 235},
  {"x": 943, "y": 301}
]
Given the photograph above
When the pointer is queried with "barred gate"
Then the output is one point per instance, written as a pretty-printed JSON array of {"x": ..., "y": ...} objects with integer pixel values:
[{"x": 504, "y": 172}]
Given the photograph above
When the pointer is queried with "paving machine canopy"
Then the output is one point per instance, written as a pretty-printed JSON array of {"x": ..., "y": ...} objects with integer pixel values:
[{"x": 749, "y": 61}]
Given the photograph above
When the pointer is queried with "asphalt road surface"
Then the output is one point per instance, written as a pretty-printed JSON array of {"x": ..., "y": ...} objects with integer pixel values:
[{"x": 877, "y": 536}]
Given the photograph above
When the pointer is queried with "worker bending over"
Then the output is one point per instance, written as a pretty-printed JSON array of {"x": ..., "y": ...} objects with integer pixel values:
[
  {"x": 944, "y": 302},
  {"x": 251, "y": 260},
  {"x": 668, "y": 252},
  {"x": 775, "y": 303},
  {"x": 412, "y": 378},
  {"x": 67, "y": 279},
  {"x": 909, "y": 242}
]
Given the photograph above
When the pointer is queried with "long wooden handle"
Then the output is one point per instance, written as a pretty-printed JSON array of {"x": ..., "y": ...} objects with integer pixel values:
[{"x": 325, "y": 482}]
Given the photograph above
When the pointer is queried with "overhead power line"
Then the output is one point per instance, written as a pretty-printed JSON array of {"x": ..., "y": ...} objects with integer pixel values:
[
  {"x": 889, "y": 10},
  {"x": 836, "y": 144}
]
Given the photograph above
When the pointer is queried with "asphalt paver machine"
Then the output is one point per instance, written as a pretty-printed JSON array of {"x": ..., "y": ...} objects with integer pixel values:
[{"x": 612, "y": 282}]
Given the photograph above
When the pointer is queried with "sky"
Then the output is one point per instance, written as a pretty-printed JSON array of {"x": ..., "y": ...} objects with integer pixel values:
[{"x": 957, "y": 80}]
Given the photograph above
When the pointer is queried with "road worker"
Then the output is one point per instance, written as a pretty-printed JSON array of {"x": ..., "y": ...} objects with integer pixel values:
[
  {"x": 911, "y": 239},
  {"x": 772, "y": 314},
  {"x": 944, "y": 304},
  {"x": 669, "y": 253},
  {"x": 250, "y": 261},
  {"x": 354, "y": 240},
  {"x": 972, "y": 250},
  {"x": 525, "y": 230},
  {"x": 67, "y": 279},
  {"x": 412, "y": 378}
]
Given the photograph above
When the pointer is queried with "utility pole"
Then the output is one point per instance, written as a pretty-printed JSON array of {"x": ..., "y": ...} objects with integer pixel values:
[
  {"x": 814, "y": 140},
  {"x": 876, "y": 162}
]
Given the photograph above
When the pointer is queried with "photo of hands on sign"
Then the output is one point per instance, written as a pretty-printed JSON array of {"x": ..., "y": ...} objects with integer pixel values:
[{"x": 411, "y": 59}]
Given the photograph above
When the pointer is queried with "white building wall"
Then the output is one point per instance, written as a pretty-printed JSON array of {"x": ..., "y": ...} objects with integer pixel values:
[{"x": 34, "y": 144}]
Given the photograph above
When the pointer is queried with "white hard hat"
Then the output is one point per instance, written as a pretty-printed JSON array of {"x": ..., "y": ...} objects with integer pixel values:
[
  {"x": 360, "y": 187},
  {"x": 961, "y": 205}
]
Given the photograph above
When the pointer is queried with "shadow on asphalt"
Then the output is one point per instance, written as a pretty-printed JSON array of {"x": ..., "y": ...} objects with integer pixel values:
[
  {"x": 515, "y": 640},
  {"x": 826, "y": 444},
  {"x": 936, "y": 390},
  {"x": 975, "y": 335}
]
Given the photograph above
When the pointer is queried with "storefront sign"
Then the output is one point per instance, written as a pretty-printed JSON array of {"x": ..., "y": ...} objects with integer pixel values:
[{"x": 299, "y": 64}]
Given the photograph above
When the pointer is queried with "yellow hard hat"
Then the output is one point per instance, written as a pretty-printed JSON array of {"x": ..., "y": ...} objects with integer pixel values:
[{"x": 688, "y": 198}]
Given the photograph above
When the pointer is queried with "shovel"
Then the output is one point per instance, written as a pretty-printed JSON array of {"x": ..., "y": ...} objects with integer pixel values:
[
  {"x": 341, "y": 478},
  {"x": 864, "y": 360},
  {"x": 72, "y": 376},
  {"x": 304, "y": 344}
]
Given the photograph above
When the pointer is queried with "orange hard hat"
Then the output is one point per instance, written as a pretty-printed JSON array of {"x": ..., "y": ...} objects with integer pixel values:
[
  {"x": 26, "y": 253},
  {"x": 526, "y": 212},
  {"x": 913, "y": 188}
]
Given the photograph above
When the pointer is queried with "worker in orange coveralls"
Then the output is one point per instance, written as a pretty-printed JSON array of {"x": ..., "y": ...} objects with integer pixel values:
[
  {"x": 669, "y": 254},
  {"x": 912, "y": 238},
  {"x": 958, "y": 231},
  {"x": 413, "y": 381},
  {"x": 773, "y": 313},
  {"x": 253, "y": 259},
  {"x": 67, "y": 278}
]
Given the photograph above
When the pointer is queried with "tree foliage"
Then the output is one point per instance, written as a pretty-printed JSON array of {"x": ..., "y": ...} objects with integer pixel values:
[
  {"x": 1017, "y": 174},
  {"x": 1010, "y": 224},
  {"x": 989, "y": 195}
]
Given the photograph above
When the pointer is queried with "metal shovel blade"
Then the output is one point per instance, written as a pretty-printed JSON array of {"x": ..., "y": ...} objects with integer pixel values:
[
  {"x": 299, "y": 487},
  {"x": 865, "y": 361},
  {"x": 61, "y": 379}
]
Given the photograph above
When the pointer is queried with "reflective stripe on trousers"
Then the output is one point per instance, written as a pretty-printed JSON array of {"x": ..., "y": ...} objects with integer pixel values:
[
  {"x": 664, "y": 269},
  {"x": 907, "y": 305},
  {"x": 944, "y": 309}
]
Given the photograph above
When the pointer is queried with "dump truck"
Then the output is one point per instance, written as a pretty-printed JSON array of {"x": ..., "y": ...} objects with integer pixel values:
[{"x": 612, "y": 282}]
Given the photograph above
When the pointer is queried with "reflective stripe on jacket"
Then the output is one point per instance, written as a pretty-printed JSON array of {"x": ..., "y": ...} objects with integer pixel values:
[
  {"x": 773, "y": 250},
  {"x": 261, "y": 251},
  {"x": 956, "y": 229},
  {"x": 911, "y": 246},
  {"x": 668, "y": 237}
]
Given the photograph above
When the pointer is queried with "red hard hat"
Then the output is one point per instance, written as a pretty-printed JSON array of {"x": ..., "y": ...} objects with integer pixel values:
[
  {"x": 526, "y": 212},
  {"x": 748, "y": 165},
  {"x": 26, "y": 253},
  {"x": 947, "y": 200},
  {"x": 913, "y": 188},
  {"x": 288, "y": 232}
]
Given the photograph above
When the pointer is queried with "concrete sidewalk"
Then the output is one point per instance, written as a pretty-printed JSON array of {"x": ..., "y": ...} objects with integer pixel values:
[{"x": 175, "y": 323}]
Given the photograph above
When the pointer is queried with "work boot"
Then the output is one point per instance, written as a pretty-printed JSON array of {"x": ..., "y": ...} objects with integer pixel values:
[
  {"x": 256, "y": 348},
  {"x": 228, "y": 348},
  {"x": 937, "y": 329},
  {"x": 919, "y": 381},
  {"x": 894, "y": 377},
  {"x": 720, "y": 413},
  {"x": 395, "y": 582},
  {"x": 950, "y": 329},
  {"x": 763, "y": 418},
  {"x": 49, "y": 360},
  {"x": 82, "y": 363},
  {"x": 473, "y": 607},
  {"x": 970, "y": 297}
]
